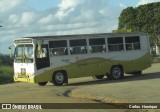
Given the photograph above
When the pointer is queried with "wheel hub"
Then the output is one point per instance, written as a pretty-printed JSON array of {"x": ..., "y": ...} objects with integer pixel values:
[
  {"x": 59, "y": 77},
  {"x": 116, "y": 72}
]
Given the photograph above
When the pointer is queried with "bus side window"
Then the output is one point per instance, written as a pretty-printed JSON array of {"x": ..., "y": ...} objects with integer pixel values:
[
  {"x": 58, "y": 48},
  {"x": 59, "y": 51},
  {"x": 132, "y": 43},
  {"x": 115, "y": 44},
  {"x": 97, "y": 45},
  {"x": 129, "y": 47},
  {"x": 76, "y": 50},
  {"x": 78, "y": 46},
  {"x": 84, "y": 50}
]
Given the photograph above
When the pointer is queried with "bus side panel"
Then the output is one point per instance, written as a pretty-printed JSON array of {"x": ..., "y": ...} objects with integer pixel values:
[
  {"x": 88, "y": 67},
  {"x": 97, "y": 66},
  {"x": 138, "y": 65},
  {"x": 43, "y": 77}
]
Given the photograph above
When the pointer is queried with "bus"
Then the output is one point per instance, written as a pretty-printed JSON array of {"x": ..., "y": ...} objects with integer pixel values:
[{"x": 42, "y": 59}]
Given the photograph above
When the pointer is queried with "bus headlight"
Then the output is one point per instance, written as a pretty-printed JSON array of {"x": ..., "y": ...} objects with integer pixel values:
[{"x": 31, "y": 75}]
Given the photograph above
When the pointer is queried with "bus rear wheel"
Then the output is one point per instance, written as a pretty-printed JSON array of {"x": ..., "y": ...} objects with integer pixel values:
[
  {"x": 116, "y": 73},
  {"x": 58, "y": 78},
  {"x": 98, "y": 77},
  {"x": 42, "y": 83}
]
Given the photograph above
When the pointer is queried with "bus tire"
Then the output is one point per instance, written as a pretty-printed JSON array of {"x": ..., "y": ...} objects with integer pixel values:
[
  {"x": 116, "y": 72},
  {"x": 42, "y": 83},
  {"x": 98, "y": 77},
  {"x": 59, "y": 78}
]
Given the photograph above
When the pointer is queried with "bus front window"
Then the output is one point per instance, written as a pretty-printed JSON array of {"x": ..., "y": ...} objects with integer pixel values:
[{"x": 24, "y": 54}]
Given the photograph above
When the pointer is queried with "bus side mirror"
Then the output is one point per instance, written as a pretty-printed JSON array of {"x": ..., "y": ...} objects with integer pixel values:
[{"x": 10, "y": 48}]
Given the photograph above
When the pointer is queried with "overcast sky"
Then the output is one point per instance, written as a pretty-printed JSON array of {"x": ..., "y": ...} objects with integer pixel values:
[{"x": 20, "y": 18}]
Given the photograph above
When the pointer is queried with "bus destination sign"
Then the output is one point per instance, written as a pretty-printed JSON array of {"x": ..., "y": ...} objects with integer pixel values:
[{"x": 23, "y": 41}]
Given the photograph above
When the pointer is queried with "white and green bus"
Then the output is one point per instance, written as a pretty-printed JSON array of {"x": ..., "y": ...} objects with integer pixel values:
[{"x": 43, "y": 59}]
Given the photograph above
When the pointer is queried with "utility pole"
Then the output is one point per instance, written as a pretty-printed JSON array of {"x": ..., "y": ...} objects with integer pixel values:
[
  {"x": 0, "y": 40},
  {"x": 0, "y": 54}
]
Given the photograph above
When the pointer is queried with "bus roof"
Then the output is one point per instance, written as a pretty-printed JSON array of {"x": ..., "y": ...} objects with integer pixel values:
[{"x": 85, "y": 35}]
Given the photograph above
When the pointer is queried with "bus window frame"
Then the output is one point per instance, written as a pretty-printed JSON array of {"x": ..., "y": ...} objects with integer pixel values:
[
  {"x": 75, "y": 49},
  {"x": 95, "y": 47}
]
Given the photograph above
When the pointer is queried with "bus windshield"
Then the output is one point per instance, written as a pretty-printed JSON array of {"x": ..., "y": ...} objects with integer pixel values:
[{"x": 24, "y": 54}]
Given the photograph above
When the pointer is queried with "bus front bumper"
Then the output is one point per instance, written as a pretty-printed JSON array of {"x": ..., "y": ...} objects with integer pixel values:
[{"x": 24, "y": 79}]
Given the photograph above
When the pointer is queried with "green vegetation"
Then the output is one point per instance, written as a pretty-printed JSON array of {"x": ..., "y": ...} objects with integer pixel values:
[
  {"x": 6, "y": 69},
  {"x": 6, "y": 74},
  {"x": 145, "y": 18},
  {"x": 6, "y": 60}
]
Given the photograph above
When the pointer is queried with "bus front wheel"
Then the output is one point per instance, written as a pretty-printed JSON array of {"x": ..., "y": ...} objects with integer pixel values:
[
  {"x": 116, "y": 73},
  {"x": 42, "y": 83},
  {"x": 58, "y": 78}
]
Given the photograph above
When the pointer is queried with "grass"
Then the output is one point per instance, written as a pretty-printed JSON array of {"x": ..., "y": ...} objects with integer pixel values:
[{"x": 6, "y": 74}]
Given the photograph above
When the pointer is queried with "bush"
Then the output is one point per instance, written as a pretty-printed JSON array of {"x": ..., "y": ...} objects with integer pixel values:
[
  {"x": 6, "y": 60},
  {"x": 6, "y": 74}
]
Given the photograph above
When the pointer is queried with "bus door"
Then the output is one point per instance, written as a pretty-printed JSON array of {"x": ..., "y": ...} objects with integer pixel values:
[{"x": 42, "y": 56}]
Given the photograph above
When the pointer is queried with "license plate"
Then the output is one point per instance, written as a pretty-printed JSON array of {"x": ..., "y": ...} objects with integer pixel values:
[{"x": 23, "y": 71}]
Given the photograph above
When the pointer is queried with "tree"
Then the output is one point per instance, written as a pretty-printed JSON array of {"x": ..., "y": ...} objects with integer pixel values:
[
  {"x": 145, "y": 18},
  {"x": 126, "y": 18},
  {"x": 5, "y": 60}
]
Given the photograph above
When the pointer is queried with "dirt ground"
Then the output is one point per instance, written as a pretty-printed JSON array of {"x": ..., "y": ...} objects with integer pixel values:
[{"x": 132, "y": 89}]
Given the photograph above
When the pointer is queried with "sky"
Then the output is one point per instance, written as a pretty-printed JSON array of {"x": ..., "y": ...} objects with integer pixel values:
[{"x": 21, "y": 18}]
